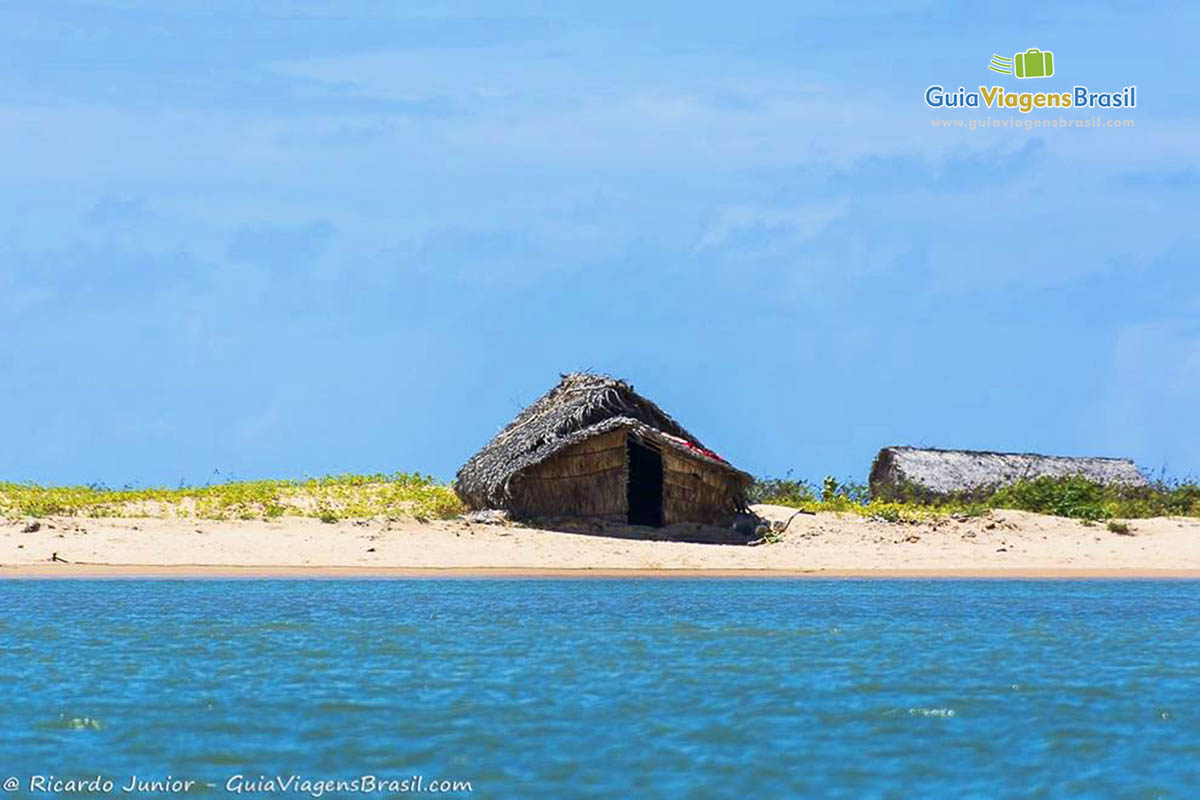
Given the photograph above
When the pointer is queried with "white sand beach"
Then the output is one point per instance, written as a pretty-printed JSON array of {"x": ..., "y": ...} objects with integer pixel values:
[{"x": 1000, "y": 544}]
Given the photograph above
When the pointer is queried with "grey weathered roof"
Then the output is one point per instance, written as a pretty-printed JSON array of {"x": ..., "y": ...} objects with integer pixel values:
[
  {"x": 581, "y": 406},
  {"x": 899, "y": 470}
]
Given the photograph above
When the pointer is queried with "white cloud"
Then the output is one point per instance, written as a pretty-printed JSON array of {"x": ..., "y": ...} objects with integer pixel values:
[{"x": 770, "y": 226}]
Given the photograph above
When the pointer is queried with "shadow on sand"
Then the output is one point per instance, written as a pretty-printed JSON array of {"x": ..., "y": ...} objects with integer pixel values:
[{"x": 679, "y": 532}]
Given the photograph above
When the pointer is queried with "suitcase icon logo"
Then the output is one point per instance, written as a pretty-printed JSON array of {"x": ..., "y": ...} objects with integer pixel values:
[{"x": 1033, "y": 63}]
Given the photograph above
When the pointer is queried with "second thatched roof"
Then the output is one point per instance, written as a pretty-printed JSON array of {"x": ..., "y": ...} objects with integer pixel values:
[
  {"x": 912, "y": 473},
  {"x": 582, "y": 405}
]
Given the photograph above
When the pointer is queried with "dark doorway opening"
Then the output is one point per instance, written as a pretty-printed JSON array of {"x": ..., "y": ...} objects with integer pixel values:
[{"x": 645, "y": 489}]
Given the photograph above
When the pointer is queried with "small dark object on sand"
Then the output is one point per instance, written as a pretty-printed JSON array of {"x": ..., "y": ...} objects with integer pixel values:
[{"x": 746, "y": 525}]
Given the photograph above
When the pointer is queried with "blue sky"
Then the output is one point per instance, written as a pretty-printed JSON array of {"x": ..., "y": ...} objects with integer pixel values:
[{"x": 286, "y": 239}]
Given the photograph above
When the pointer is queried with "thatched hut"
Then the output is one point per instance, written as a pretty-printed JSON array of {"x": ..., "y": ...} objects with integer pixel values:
[
  {"x": 593, "y": 447},
  {"x": 910, "y": 473}
]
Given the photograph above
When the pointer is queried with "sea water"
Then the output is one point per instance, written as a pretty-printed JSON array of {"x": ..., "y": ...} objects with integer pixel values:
[{"x": 602, "y": 688}]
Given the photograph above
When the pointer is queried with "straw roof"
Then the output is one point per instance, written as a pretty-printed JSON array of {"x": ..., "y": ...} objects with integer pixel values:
[
  {"x": 581, "y": 406},
  {"x": 908, "y": 471}
]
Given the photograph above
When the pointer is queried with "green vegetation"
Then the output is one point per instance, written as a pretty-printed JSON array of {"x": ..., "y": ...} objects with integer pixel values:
[
  {"x": 849, "y": 497},
  {"x": 329, "y": 499},
  {"x": 1082, "y": 499},
  {"x": 337, "y": 497},
  {"x": 1074, "y": 497}
]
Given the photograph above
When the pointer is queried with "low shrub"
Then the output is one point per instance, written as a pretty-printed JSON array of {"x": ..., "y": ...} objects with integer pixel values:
[
  {"x": 328, "y": 498},
  {"x": 1074, "y": 497}
]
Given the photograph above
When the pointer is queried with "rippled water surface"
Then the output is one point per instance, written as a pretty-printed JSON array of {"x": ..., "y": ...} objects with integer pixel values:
[{"x": 622, "y": 688}]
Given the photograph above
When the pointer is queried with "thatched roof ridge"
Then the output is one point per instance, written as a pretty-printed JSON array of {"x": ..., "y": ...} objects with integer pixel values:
[
  {"x": 908, "y": 471},
  {"x": 582, "y": 405}
]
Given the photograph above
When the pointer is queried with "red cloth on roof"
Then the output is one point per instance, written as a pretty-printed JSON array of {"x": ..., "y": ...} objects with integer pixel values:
[{"x": 705, "y": 451}]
